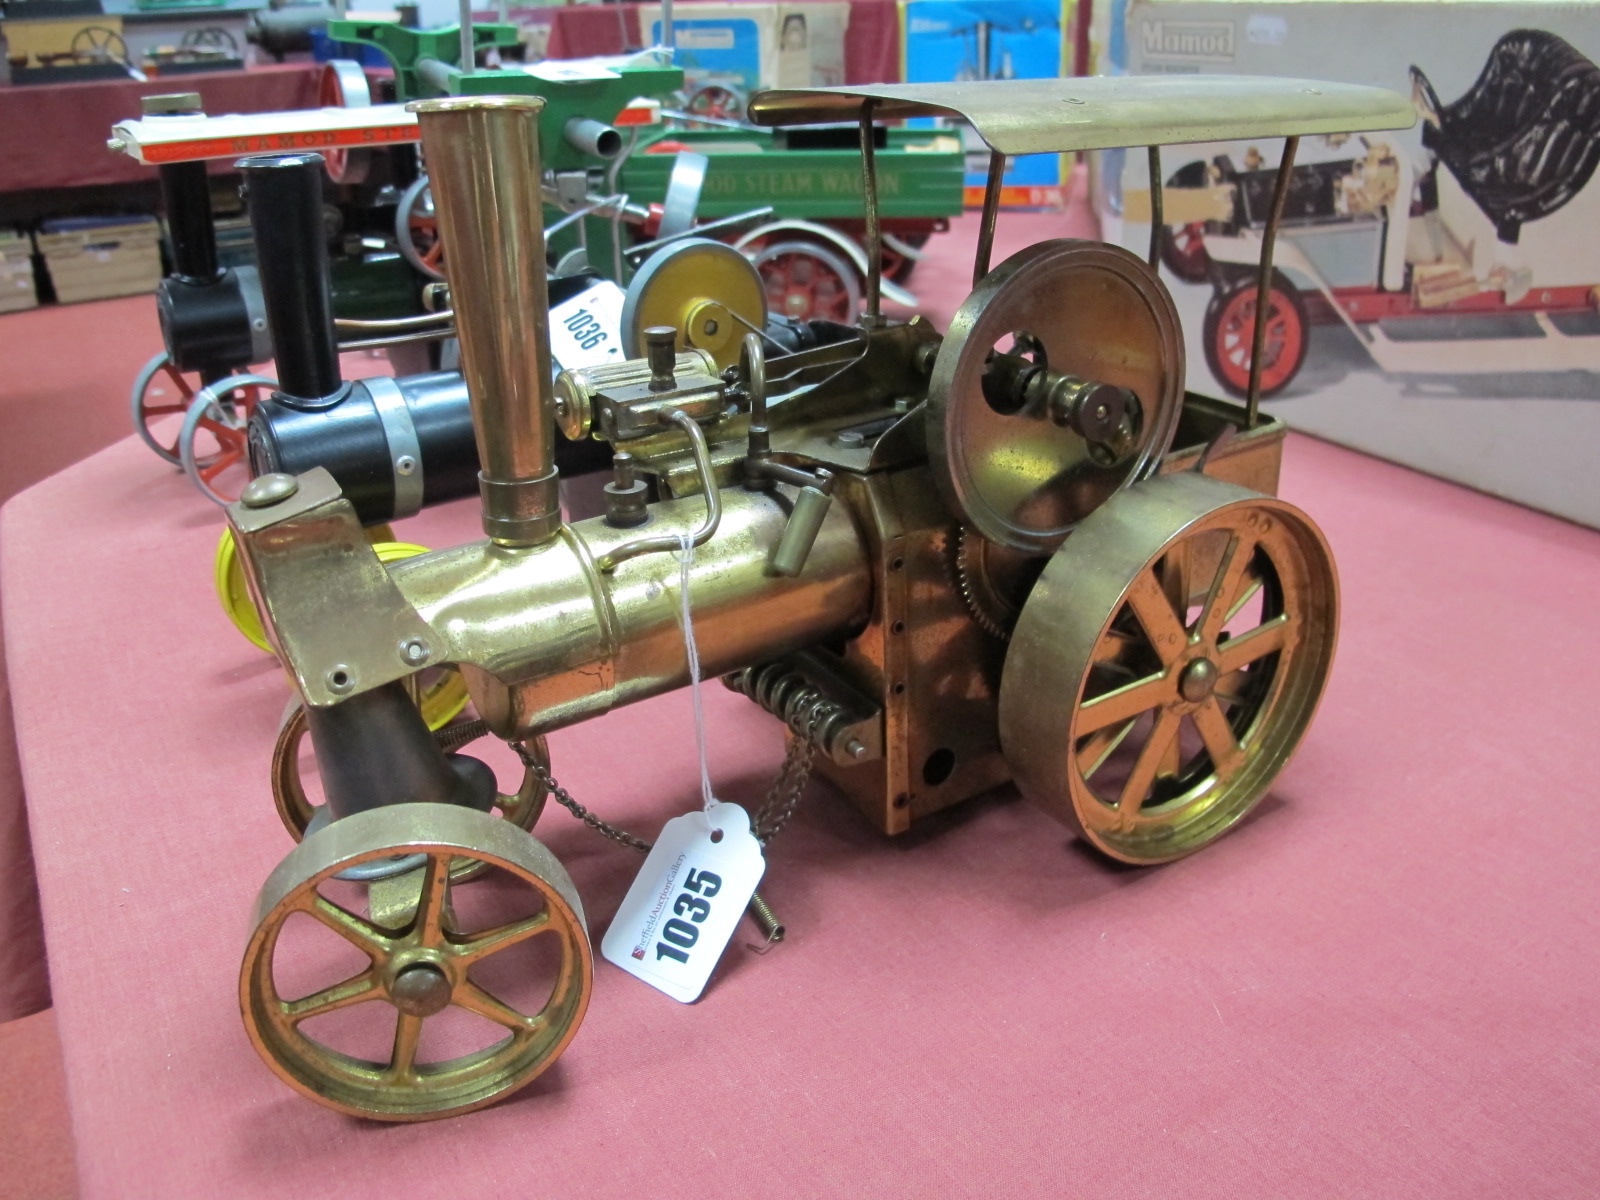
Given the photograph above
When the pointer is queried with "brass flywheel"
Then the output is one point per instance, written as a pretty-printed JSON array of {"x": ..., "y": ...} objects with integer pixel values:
[
  {"x": 1059, "y": 383},
  {"x": 1167, "y": 663},
  {"x": 416, "y": 999}
]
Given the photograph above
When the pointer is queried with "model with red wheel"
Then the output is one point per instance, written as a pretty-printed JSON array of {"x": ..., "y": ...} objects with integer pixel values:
[
  {"x": 808, "y": 281},
  {"x": 1183, "y": 247},
  {"x": 1230, "y": 325}
]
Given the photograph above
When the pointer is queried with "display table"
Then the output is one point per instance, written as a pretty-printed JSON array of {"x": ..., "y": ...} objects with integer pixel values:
[
  {"x": 1383, "y": 983},
  {"x": 54, "y": 135}
]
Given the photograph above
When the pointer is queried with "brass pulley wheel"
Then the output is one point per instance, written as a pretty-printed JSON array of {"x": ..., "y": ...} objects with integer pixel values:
[
  {"x": 367, "y": 1039},
  {"x": 1080, "y": 311},
  {"x": 522, "y": 808},
  {"x": 708, "y": 291},
  {"x": 1167, "y": 664}
]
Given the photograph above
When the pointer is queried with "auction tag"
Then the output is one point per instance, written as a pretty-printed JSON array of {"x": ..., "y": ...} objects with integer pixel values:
[
  {"x": 587, "y": 330},
  {"x": 686, "y": 901}
]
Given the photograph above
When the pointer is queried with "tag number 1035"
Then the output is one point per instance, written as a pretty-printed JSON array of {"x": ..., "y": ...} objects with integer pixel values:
[{"x": 679, "y": 936}]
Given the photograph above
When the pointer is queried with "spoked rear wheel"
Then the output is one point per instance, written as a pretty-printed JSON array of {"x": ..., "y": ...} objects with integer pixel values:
[
  {"x": 808, "y": 282},
  {"x": 159, "y": 391},
  {"x": 445, "y": 1000},
  {"x": 1168, "y": 663},
  {"x": 214, "y": 443}
]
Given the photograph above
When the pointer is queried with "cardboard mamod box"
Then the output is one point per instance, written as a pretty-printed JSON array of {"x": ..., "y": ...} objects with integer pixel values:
[
  {"x": 1437, "y": 290},
  {"x": 728, "y": 51},
  {"x": 957, "y": 41}
]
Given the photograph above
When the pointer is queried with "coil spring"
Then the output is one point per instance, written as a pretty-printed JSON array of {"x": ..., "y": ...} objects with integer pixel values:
[{"x": 804, "y": 708}]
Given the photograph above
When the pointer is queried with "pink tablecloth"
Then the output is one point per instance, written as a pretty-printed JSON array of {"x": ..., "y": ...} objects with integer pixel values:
[
  {"x": 54, "y": 135},
  {"x": 1383, "y": 984}
]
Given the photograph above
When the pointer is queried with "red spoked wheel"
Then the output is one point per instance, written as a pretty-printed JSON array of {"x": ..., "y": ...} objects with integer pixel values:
[
  {"x": 160, "y": 391},
  {"x": 1230, "y": 329},
  {"x": 808, "y": 281},
  {"x": 1183, "y": 252},
  {"x": 897, "y": 264},
  {"x": 718, "y": 102},
  {"x": 214, "y": 443},
  {"x": 1183, "y": 247},
  {"x": 416, "y": 229}
]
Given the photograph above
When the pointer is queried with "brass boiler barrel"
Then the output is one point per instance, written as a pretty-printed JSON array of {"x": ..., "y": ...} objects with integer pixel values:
[
  {"x": 543, "y": 636},
  {"x": 545, "y": 639}
]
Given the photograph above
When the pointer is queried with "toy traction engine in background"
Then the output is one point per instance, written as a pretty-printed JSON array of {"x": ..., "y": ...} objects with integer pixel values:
[{"x": 1016, "y": 551}]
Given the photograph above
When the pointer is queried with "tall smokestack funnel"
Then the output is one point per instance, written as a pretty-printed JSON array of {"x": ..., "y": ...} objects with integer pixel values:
[{"x": 483, "y": 163}]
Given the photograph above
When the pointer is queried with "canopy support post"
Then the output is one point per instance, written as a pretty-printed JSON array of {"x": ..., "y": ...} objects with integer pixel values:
[
  {"x": 469, "y": 48},
  {"x": 991, "y": 214},
  {"x": 1157, "y": 221},
  {"x": 1269, "y": 235},
  {"x": 869, "y": 196}
]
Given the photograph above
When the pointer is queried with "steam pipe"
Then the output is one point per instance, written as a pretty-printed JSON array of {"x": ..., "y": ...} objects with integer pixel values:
[
  {"x": 285, "y": 199},
  {"x": 588, "y": 136},
  {"x": 483, "y": 161}
]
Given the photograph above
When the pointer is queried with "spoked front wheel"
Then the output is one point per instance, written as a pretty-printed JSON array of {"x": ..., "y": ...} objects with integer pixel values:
[
  {"x": 418, "y": 998},
  {"x": 1167, "y": 664},
  {"x": 522, "y": 807},
  {"x": 808, "y": 282}
]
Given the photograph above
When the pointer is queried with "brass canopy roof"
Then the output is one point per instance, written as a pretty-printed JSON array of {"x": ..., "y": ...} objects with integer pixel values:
[{"x": 1100, "y": 112}]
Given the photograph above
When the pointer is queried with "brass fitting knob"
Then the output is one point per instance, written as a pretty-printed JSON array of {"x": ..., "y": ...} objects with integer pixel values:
[
  {"x": 661, "y": 352},
  {"x": 626, "y": 494}
]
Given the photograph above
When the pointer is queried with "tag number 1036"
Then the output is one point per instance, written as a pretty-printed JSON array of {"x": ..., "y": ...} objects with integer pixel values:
[{"x": 679, "y": 936}]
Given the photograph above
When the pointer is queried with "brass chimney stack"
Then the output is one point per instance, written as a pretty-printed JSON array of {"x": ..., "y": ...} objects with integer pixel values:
[{"x": 483, "y": 161}]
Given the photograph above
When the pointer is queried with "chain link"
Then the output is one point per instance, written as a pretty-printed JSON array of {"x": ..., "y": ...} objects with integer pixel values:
[
  {"x": 564, "y": 798},
  {"x": 783, "y": 797},
  {"x": 779, "y": 805}
]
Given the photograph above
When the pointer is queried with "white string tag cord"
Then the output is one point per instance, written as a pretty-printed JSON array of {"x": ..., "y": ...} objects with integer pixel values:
[{"x": 685, "y": 561}]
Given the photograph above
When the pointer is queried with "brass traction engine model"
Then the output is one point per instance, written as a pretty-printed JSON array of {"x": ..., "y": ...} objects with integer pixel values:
[{"x": 1017, "y": 551}]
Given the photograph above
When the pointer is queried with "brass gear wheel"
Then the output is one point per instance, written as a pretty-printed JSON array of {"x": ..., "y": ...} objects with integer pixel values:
[{"x": 993, "y": 581}]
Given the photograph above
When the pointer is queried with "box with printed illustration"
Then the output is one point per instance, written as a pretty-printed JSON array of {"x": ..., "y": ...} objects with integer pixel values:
[
  {"x": 1437, "y": 292},
  {"x": 949, "y": 41},
  {"x": 728, "y": 51}
]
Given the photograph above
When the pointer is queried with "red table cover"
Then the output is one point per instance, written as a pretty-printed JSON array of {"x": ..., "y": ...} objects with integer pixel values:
[
  {"x": 54, "y": 135},
  {"x": 1382, "y": 984}
]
